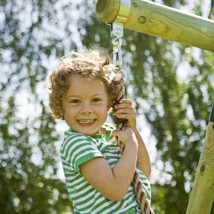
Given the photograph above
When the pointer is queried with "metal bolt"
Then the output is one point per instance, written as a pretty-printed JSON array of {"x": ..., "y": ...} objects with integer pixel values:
[{"x": 142, "y": 19}]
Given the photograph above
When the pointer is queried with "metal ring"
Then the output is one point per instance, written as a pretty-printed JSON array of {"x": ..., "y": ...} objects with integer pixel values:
[{"x": 125, "y": 6}]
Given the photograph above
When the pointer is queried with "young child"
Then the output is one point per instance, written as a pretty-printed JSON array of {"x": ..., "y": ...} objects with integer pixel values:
[{"x": 98, "y": 176}]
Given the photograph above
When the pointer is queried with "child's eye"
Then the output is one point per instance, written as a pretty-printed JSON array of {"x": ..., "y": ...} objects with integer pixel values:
[
  {"x": 95, "y": 100},
  {"x": 75, "y": 101}
]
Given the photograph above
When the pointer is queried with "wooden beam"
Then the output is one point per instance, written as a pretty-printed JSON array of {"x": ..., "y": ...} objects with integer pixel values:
[
  {"x": 160, "y": 21},
  {"x": 202, "y": 194}
]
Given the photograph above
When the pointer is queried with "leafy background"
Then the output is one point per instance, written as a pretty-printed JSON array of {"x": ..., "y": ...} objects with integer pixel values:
[{"x": 171, "y": 84}]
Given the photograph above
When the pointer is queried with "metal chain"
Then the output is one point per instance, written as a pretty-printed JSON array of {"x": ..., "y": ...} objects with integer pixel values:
[{"x": 117, "y": 35}]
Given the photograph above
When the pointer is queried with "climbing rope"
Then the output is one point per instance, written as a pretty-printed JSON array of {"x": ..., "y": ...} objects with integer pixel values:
[{"x": 116, "y": 35}]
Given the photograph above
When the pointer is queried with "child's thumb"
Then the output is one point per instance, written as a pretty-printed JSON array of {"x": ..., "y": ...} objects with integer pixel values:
[{"x": 116, "y": 133}]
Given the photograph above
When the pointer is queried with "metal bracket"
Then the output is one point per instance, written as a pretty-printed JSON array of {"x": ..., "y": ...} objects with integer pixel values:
[
  {"x": 125, "y": 7},
  {"x": 117, "y": 33}
]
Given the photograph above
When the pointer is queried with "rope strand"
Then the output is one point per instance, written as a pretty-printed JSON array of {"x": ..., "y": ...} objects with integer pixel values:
[{"x": 140, "y": 192}]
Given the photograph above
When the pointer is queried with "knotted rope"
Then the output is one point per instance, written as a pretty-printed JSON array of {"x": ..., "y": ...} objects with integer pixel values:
[{"x": 136, "y": 182}]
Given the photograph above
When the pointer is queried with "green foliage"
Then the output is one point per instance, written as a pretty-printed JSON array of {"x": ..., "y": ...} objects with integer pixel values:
[
  {"x": 172, "y": 86},
  {"x": 28, "y": 155},
  {"x": 178, "y": 113}
]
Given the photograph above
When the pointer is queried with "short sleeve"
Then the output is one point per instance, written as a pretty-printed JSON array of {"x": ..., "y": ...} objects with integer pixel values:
[{"x": 78, "y": 149}]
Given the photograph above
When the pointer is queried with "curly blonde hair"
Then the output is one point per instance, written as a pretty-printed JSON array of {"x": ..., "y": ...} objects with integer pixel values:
[{"x": 92, "y": 64}]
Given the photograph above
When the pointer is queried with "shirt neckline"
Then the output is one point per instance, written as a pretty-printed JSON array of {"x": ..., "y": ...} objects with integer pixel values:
[{"x": 96, "y": 136}]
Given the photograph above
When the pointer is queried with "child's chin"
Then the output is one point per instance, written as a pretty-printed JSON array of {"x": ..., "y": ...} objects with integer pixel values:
[{"x": 88, "y": 132}]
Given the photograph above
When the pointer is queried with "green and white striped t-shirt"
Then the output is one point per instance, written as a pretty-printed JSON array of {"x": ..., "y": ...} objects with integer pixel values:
[{"x": 76, "y": 150}]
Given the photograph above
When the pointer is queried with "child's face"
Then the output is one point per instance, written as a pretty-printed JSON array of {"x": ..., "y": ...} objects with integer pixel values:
[{"x": 85, "y": 105}]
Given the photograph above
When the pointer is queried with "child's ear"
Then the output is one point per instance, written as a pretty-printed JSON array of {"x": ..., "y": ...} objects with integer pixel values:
[{"x": 110, "y": 102}]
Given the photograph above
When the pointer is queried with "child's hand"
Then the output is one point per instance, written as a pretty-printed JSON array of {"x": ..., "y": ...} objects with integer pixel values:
[
  {"x": 125, "y": 136},
  {"x": 126, "y": 110}
]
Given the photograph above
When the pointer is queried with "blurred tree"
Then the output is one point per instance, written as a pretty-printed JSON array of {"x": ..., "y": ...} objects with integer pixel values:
[
  {"x": 171, "y": 85},
  {"x": 30, "y": 42}
]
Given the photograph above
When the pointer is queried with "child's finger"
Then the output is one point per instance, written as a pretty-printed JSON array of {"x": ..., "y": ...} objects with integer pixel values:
[
  {"x": 125, "y": 111},
  {"x": 123, "y": 107},
  {"x": 125, "y": 104},
  {"x": 127, "y": 101},
  {"x": 126, "y": 116}
]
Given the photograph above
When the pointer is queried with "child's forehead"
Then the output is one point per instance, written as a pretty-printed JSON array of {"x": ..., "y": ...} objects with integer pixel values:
[
  {"x": 85, "y": 82},
  {"x": 83, "y": 85}
]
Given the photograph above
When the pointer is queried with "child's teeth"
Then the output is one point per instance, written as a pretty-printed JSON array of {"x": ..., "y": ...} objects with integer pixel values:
[{"x": 86, "y": 121}]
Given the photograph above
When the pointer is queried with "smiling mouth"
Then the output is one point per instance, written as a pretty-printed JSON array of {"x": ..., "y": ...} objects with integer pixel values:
[{"x": 86, "y": 122}]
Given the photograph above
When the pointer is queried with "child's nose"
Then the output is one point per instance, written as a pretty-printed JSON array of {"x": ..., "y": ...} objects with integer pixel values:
[{"x": 86, "y": 108}]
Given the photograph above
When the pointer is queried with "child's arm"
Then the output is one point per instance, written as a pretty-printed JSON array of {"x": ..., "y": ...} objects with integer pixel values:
[
  {"x": 114, "y": 182},
  {"x": 143, "y": 160},
  {"x": 127, "y": 111}
]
